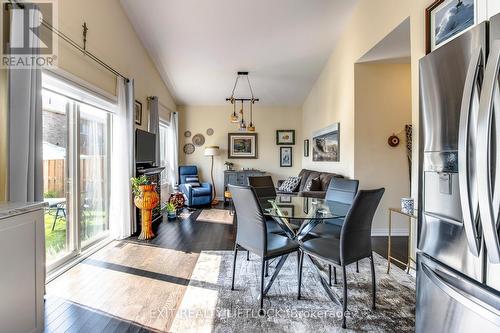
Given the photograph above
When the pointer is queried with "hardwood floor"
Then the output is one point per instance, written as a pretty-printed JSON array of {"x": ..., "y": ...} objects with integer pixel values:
[{"x": 137, "y": 286}]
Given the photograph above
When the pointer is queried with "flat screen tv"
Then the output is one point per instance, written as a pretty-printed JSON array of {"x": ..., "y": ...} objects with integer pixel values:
[{"x": 145, "y": 143}]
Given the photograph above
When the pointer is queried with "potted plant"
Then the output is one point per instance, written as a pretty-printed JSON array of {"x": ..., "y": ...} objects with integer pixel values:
[
  {"x": 229, "y": 165},
  {"x": 145, "y": 198},
  {"x": 171, "y": 211}
]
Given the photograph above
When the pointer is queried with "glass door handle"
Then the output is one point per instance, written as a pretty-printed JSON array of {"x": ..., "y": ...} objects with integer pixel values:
[
  {"x": 465, "y": 169},
  {"x": 488, "y": 193}
]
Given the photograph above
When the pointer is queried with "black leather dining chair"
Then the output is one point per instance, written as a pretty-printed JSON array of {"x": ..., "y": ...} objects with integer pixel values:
[
  {"x": 354, "y": 243},
  {"x": 252, "y": 233},
  {"x": 263, "y": 186},
  {"x": 342, "y": 191}
]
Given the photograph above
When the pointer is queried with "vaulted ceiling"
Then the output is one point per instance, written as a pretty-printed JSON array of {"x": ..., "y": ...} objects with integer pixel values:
[{"x": 199, "y": 45}]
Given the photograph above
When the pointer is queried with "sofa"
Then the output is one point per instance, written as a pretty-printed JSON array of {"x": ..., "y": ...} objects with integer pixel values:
[
  {"x": 195, "y": 195},
  {"x": 306, "y": 174}
]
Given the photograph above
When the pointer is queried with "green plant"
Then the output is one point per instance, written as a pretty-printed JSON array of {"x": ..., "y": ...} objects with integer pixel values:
[
  {"x": 229, "y": 164},
  {"x": 170, "y": 207},
  {"x": 50, "y": 194},
  {"x": 138, "y": 181}
]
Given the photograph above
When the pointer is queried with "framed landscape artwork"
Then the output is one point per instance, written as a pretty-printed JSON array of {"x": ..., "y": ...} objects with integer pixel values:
[
  {"x": 285, "y": 137},
  {"x": 446, "y": 19},
  {"x": 242, "y": 145},
  {"x": 326, "y": 144},
  {"x": 285, "y": 156}
]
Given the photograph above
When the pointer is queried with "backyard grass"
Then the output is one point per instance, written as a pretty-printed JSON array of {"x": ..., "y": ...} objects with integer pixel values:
[{"x": 55, "y": 240}]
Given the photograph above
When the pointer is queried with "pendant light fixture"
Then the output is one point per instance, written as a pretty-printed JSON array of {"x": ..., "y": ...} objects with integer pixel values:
[
  {"x": 243, "y": 124},
  {"x": 234, "y": 118},
  {"x": 251, "y": 126}
]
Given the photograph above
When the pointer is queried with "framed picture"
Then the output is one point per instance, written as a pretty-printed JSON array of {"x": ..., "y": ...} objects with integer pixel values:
[
  {"x": 287, "y": 210},
  {"x": 285, "y": 156},
  {"x": 447, "y": 19},
  {"x": 285, "y": 137},
  {"x": 306, "y": 148},
  {"x": 326, "y": 144},
  {"x": 138, "y": 112},
  {"x": 242, "y": 145},
  {"x": 284, "y": 198}
]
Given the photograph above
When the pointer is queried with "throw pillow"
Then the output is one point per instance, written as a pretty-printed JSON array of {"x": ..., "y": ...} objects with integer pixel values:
[
  {"x": 313, "y": 184},
  {"x": 193, "y": 181},
  {"x": 290, "y": 185}
]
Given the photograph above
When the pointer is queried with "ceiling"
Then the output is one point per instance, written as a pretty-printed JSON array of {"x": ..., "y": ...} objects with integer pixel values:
[
  {"x": 393, "y": 48},
  {"x": 199, "y": 45}
]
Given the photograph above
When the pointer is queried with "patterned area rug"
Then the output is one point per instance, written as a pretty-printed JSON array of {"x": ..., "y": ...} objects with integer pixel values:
[
  {"x": 215, "y": 216},
  {"x": 209, "y": 305}
]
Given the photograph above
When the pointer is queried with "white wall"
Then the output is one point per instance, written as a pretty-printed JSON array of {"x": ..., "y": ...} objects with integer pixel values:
[
  {"x": 383, "y": 108},
  {"x": 198, "y": 119}
]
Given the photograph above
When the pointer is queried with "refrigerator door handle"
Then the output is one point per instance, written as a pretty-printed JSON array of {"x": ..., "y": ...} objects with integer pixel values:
[
  {"x": 458, "y": 290},
  {"x": 488, "y": 193},
  {"x": 469, "y": 205}
]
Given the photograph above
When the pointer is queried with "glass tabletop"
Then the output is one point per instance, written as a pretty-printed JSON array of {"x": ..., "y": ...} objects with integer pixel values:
[{"x": 294, "y": 207}]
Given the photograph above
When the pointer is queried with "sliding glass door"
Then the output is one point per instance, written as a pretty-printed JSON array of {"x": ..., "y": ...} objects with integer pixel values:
[
  {"x": 94, "y": 173},
  {"x": 76, "y": 153}
]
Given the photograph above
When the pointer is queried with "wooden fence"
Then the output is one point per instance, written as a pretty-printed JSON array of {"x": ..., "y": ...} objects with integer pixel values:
[{"x": 54, "y": 176}]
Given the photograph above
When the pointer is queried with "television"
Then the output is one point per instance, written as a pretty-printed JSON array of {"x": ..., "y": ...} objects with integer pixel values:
[{"x": 145, "y": 147}]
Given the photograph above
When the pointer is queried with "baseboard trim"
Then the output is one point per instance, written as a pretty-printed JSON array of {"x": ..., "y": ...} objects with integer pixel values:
[{"x": 394, "y": 232}]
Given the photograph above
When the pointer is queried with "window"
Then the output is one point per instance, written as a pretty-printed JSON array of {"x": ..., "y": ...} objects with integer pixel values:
[{"x": 164, "y": 182}]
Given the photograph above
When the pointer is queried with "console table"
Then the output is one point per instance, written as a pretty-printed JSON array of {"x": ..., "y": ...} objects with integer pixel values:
[
  {"x": 411, "y": 216},
  {"x": 240, "y": 177}
]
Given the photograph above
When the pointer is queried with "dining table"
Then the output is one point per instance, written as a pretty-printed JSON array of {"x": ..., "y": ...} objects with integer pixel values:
[{"x": 307, "y": 213}]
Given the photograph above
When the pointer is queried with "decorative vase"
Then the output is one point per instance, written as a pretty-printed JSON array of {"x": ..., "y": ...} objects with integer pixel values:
[
  {"x": 146, "y": 201},
  {"x": 407, "y": 205},
  {"x": 172, "y": 215}
]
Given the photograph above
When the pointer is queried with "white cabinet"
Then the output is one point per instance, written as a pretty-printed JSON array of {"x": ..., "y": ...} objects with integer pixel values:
[
  {"x": 22, "y": 268},
  {"x": 493, "y": 7}
]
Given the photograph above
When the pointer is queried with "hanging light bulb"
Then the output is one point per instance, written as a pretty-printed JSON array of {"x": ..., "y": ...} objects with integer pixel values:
[
  {"x": 243, "y": 124},
  {"x": 251, "y": 126},
  {"x": 234, "y": 117}
]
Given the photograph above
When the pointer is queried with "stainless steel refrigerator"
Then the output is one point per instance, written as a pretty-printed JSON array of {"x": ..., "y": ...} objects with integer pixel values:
[{"x": 458, "y": 252}]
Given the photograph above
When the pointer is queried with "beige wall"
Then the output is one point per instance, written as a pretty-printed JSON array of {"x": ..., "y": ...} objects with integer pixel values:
[
  {"x": 198, "y": 119},
  {"x": 112, "y": 38},
  {"x": 382, "y": 107}
]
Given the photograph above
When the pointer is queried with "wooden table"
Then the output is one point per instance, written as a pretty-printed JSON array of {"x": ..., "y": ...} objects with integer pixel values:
[{"x": 410, "y": 216}]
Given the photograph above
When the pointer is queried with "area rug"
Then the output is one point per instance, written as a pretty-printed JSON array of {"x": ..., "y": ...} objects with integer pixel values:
[
  {"x": 215, "y": 216},
  {"x": 209, "y": 305}
]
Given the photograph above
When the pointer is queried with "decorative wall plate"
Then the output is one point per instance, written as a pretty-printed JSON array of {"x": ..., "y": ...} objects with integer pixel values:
[
  {"x": 198, "y": 140},
  {"x": 187, "y": 134},
  {"x": 210, "y": 131},
  {"x": 189, "y": 148}
]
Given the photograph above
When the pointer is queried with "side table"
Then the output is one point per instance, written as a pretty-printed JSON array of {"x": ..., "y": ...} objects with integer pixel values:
[{"x": 410, "y": 216}]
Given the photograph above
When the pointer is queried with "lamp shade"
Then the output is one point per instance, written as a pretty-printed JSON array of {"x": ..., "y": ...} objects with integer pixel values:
[{"x": 212, "y": 151}]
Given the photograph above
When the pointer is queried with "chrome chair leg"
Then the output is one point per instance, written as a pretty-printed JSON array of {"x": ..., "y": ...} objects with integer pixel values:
[
  {"x": 357, "y": 267},
  {"x": 334, "y": 275},
  {"x": 330, "y": 275}
]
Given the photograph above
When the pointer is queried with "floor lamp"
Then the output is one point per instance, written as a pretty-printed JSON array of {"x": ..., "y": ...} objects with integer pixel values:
[{"x": 212, "y": 151}]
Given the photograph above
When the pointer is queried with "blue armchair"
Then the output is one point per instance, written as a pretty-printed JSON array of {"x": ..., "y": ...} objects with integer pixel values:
[{"x": 196, "y": 195}]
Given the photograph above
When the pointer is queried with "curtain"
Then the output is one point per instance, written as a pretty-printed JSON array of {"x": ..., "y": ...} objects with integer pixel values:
[
  {"x": 122, "y": 217},
  {"x": 25, "y": 122},
  {"x": 154, "y": 125},
  {"x": 173, "y": 150}
]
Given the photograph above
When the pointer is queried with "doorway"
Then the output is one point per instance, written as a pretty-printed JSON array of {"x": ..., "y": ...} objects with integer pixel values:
[{"x": 76, "y": 159}]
